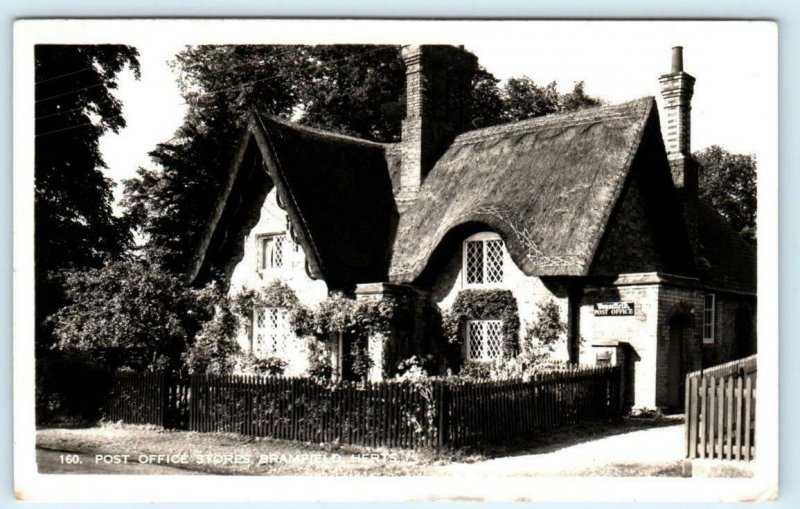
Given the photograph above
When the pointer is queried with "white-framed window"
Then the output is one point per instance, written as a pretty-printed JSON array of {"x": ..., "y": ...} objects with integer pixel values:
[
  {"x": 270, "y": 332},
  {"x": 483, "y": 259},
  {"x": 272, "y": 252},
  {"x": 484, "y": 339},
  {"x": 709, "y": 315}
]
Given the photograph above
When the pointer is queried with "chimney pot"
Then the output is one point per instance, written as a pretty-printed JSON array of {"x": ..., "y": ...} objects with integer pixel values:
[{"x": 677, "y": 59}]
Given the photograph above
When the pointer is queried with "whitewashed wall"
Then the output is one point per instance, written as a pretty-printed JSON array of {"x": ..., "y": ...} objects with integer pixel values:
[{"x": 246, "y": 276}]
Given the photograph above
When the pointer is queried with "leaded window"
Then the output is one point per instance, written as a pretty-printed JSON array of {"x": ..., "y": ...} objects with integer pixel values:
[
  {"x": 272, "y": 252},
  {"x": 483, "y": 259},
  {"x": 484, "y": 339},
  {"x": 270, "y": 332}
]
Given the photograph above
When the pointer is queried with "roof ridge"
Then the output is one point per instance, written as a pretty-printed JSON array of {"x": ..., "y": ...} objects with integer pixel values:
[
  {"x": 319, "y": 133},
  {"x": 582, "y": 116}
]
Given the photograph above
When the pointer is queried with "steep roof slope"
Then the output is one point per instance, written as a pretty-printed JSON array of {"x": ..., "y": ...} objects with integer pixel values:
[
  {"x": 335, "y": 189},
  {"x": 723, "y": 259},
  {"x": 547, "y": 185}
]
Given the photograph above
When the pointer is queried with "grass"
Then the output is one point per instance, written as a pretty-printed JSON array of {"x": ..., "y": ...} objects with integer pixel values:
[
  {"x": 227, "y": 453},
  {"x": 231, "y": 454}
]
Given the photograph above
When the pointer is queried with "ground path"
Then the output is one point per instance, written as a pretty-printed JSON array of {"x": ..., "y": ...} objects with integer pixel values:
[{"x": 652, "y": 451}]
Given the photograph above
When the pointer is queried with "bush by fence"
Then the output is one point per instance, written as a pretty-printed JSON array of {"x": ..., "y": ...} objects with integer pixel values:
[
  {"x": 436, "y": 413},
  {"x": 720, "y": 411}
]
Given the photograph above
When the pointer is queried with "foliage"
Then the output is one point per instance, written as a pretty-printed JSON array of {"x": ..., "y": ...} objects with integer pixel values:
[
  {"x": 276, "y": 294},
  {"x": 71, "y": 388},
  {"x": 248, "y": 364},
  {"x": 415, "y": 368},
  {"x": 214, "y": 349},
  {"x": 523, "y": 98},
  {"x": 133, "y": 307},
  {"x": 541, "y": 339},
  {"x": 350, "y": 89},
  {"x": 728, "y": 182},
  {"x": 320, "y": 366},
  {"x": 75, "y": 227},
  {"x": 481, "y": 305},
  {"x": 355, "y": 320}
]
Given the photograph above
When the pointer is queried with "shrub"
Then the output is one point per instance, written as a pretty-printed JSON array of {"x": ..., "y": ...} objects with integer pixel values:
[
  {"x": 248, "y": 364},
  {"x": 215, "y": 347},
  {"x": 132, "y": 306},
  {"x": 319, "y": 360},
  {"x": 414, "y": 368},
  {"x": 483, "y": 304}
]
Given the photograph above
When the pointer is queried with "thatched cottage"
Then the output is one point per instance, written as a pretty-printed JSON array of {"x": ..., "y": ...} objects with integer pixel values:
[{"x": 593, "y": 210}]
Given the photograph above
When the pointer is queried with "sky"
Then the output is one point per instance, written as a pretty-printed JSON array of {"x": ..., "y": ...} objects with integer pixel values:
[{"x": 735, "y": 64}]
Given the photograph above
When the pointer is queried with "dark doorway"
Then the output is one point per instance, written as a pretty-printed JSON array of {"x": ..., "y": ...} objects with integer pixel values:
[
  {"x": 676, "y": 373},
  {"x": 743, "y": 331}
]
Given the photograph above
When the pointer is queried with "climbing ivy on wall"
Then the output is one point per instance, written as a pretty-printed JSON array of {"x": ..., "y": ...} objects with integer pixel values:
[{"x": 483, "y": 305}]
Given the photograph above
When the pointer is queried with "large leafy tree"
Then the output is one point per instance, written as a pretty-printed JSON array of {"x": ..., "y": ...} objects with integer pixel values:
[
  {"x": 728, "y": 182},
  {"x": 74, "y": 223}
]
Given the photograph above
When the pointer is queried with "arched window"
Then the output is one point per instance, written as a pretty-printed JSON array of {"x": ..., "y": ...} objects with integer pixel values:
[{"x": 484, "y": 255}]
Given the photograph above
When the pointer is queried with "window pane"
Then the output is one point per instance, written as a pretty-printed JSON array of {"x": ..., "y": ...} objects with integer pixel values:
[
  {"x": 494, "y": 261},
  {"x": 272, "y": 254},
  {"x": 493, "y": 338},
  {"x": 708, "y": 318},
  {"x": 474, "y": 339},
  {"x": 474, "y": 262},
  {"x": 277, "y": 252},
  {"x": 484, "y": 339},
  {"x": 270, "y": 326}
]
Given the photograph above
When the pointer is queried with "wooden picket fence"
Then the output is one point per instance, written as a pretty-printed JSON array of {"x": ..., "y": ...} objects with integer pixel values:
[
  {"x": 148, "y": 398},
  {"x": 720, "y": 411},
  {"x": 429, "y": 414}
]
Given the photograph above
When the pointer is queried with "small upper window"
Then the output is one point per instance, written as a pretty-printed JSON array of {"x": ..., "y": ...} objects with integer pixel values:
[
  {"x": 483, "y": 259},
  {"x": 272, "y": 252},
  {"x": 708, "y": 318}
]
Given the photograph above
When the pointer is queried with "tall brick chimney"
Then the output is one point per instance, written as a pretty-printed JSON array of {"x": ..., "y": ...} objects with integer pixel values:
[
  {"x": 438, "y": 89},
  {"x": 677, "y": 89}
]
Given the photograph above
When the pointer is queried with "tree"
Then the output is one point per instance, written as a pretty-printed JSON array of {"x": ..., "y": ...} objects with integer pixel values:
[
  {"x": 350, "y": 89},
  {"x": 132, "y": 314},
  {"x": 74, "y": 223},
  {"x": 728, "y": 182},
  {"x": 524, "y": 99}
]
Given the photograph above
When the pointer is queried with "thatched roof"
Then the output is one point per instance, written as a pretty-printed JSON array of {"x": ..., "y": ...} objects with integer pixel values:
[
  {"x": 336, "y": 190},
  {"x": 547, "y": 185},
  {"x": 723, "y": 259},
  {"x": 550, "y": 186}
]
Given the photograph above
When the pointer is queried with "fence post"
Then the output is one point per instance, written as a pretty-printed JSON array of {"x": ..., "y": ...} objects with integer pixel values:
[{"x": 443, "y": 405}]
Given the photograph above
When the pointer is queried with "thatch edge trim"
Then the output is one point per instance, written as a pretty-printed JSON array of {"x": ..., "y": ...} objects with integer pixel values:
[
  {"x": 219, "y": 207},
  {"x": 319, "y": 133},
  {"x": 273, "y": 164}
]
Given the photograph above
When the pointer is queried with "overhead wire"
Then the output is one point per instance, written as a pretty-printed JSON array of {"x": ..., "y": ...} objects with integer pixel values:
[{"x": 199, "y": 96}]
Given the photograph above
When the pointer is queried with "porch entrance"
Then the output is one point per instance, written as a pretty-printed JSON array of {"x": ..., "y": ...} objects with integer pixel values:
[{"x": 676, "y": 373}]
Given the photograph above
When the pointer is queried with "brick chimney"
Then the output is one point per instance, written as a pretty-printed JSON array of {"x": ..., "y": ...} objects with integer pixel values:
[
  {"x": 677, "y": 88},
  {"x": 438, "y": 89}
]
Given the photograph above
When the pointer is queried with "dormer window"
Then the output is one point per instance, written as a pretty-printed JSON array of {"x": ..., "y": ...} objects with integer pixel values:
[
  {"x": 272, "y": 256},
  {"x": 483, "y": 259}
]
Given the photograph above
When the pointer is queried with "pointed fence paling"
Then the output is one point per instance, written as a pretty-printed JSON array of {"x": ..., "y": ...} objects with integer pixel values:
[
  {"x": 720, "y": 411},
  {"x": 405, "y": 414}
]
